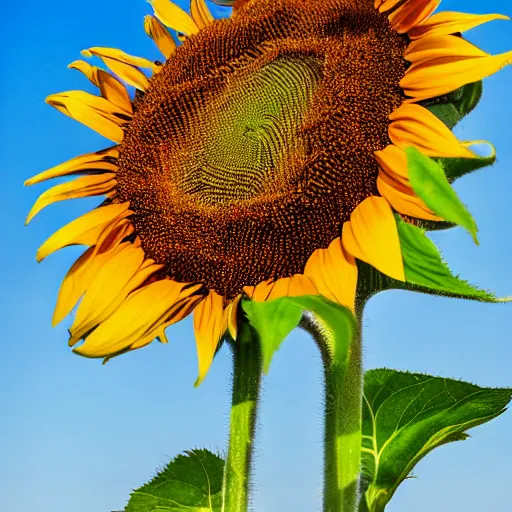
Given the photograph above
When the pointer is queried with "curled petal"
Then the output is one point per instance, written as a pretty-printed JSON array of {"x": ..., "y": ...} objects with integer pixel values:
[{"x": 414, "y": 125}]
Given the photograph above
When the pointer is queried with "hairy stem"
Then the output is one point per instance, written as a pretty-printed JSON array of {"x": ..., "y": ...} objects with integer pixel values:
[
  {"x": 246, "y": 387},
  {"x": 342, "y": 423}
]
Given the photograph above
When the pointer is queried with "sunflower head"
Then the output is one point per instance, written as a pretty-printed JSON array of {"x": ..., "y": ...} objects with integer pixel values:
[{"x": 262, "y": 159}]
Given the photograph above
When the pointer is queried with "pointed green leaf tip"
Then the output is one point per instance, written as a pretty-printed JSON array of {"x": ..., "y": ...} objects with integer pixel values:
[
  {"x": 424, "y": 267},
  {"x": 406, "y": 415},
  {"x": 191, "y": 483},
  {"x": 275, "y": 319},
  {"x": 430, "y": 183}
]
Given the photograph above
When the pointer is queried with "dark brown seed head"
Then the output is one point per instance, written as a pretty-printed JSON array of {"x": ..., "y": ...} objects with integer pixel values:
[{"x": 255, "y": 142}]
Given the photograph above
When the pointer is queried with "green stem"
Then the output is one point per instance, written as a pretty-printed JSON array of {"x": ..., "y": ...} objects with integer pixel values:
[
  {"x": 343, "y": 409},
  {"x": 246, "y": 387}
]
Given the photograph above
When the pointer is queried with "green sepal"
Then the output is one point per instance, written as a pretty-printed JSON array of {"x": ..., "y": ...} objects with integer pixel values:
[
  {"x": 191, "y": 483},
  {"x": 457, "y": 167},
  {"x": 468, "y": 97},
  {"x": 429, "y": 182},
  {"x": 425, "y": 269},
  {"x": 274, "y": 320},
  {"x": 407, "y": 415},
  {"x": 447, "y": 113},
  {"x": 456, "y": 105}
]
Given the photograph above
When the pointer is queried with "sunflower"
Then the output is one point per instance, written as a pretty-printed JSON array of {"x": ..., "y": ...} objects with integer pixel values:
[{"x": 261, "y": 159}]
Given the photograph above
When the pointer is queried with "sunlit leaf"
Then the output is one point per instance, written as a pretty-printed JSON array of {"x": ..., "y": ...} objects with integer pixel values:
[
  {"x": 406, "y": 415},
  {"x": 274, "y": 320},
  {"x": 430, "y": 183},
  {"x": 425, "y": 269}
]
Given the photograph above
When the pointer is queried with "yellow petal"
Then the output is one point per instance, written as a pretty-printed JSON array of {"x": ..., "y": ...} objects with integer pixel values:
[
  {"x": 447, "y": 22},
  {"x": 261, "y": 291},
  {"x": 411, "y": 13},
  {"x": 393, "y": 161},
  {"x": 75, "y": 283},
  {"x": 371, "y": 235},
  {"x": 301, "y": 285},
  {"x": 83, "y": 231},
  {"x": 232, "y": 316},
  {"x": 120, "y": 274},
  {"x": 432, "y": 48},
  {"x": 174, "y": 17},
  {"x": 111, "y": 88},
  {"x": 115, "y": 54},
  {"x": 414, "y": 125},
  {"x": 123, "y": 69},
  {"x": 200, "y": 13},
  {"x": 294, "y": 286},
  {"x": 103, "y": 160},
  {"x": 386, "y": 5},
  {"x": 140, "y": 317},
  {"x": 441, "y": 76},
  {"x": 210, "y": 324},
  {"x": 94, "y": 112},
  {"x": 85, "y": 268},
  {"x": 86, "y": 186},
  {"x": 160, "y": 35},
  {"x": 404, "y": 200},
  {"x": 334, "y": 273}
]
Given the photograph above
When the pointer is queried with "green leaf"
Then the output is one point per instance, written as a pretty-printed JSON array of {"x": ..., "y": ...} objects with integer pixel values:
[
  {"x": 406, "y": 415},
  {"x": 429, "y": 182},
  {"x": 275, "y": 319},
  {"x": 424, "y": 267},
  {"x": 191, "y": 483}
]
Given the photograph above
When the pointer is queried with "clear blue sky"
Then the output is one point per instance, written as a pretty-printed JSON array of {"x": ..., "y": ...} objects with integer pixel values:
[{"x": 76, "y": 436}]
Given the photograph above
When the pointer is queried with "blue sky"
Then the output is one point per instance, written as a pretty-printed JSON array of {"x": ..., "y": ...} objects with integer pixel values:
[{"x": 77, "y": 436}]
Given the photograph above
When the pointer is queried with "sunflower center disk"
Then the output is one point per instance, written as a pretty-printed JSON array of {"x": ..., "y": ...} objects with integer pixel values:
[
  {"x": 246, "y": 136},
  {"x": 255, "y": 142}
]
